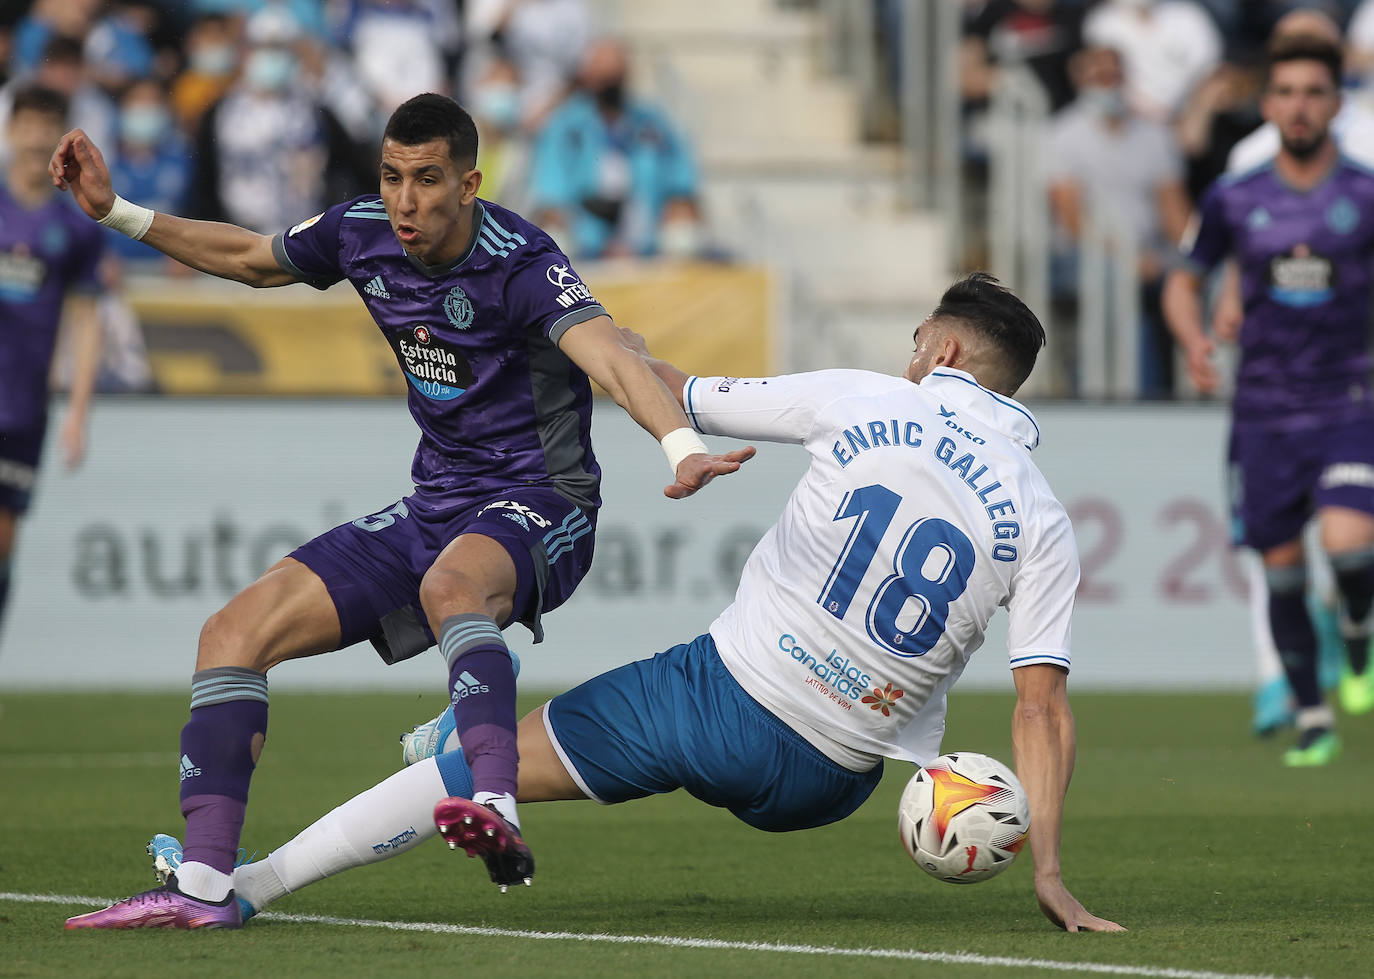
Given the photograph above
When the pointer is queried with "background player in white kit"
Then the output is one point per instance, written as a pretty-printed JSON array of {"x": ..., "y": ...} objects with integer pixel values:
[{"x": 920, "y": 514}]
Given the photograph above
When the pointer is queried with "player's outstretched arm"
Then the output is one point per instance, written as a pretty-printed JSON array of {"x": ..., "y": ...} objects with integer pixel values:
[
  {"x": 226, "y": 250},
  {"x": 599, "y": 348},
  {"x": 1043, "y": 737}
]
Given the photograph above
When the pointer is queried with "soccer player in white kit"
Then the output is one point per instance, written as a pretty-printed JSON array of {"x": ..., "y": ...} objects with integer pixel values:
[{"x": 920, "y": 514}]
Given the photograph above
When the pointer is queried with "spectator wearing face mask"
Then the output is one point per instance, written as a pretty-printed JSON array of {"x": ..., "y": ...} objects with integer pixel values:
[
  {"x": 607, "y": 166},
  {"x": 212, "y": 58},
  {"x": 151, "y": 159},
  {"x": 1106, "y": 161},
  {"x": 503, "y": 153},
  {"x": 1167, "y": 46},
  {"x": 270, "y": 150}
]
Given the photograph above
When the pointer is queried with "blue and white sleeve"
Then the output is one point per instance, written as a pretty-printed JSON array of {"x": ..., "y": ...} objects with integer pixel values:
[
  {"x": 1042, "y": 596},
  {"x": 770, "y": 409}
]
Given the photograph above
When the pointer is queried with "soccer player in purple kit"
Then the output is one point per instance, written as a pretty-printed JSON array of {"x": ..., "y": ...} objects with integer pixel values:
[
  {"x": 49, "y": 259},
  {"x": 497, "y": 337},
  {"x": 1302, "y": 436}
]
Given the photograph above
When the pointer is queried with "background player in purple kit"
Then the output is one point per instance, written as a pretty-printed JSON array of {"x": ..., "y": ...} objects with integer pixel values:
[
  {"x": 497, "y": 337},
  {"x": 1302, "y": 439},
  {"x": 49, "y": 256}
]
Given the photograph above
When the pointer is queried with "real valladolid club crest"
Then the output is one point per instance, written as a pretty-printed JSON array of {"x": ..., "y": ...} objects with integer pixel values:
[{"x": 458, "y": 308}]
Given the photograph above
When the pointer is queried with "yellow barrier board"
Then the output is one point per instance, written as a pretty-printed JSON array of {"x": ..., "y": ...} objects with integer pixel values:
[{"x": 207, "y": 337}]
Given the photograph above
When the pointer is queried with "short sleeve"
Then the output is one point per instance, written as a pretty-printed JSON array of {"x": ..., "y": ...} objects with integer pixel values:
[
  {"x": 544, "y": 293},
  {"x": 1208, "y": 238},
  {"x": 1040, "y": 605},
  {"x": 88, "y": 249},
  {"x": 773, "y": 409},
  {"x": 310, "y": 250}
]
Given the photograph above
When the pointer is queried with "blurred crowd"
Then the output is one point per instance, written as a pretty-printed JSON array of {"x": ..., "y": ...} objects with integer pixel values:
[
  {"x": 1151, "y": 100},
  {"x": 264, "y": 112}
]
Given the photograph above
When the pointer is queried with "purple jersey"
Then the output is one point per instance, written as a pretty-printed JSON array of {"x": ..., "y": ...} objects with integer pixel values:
[
  {"x": 498, "y": 404},
  {"x": 46, "y": 252},
  {"x": 1305, "y": 259}
]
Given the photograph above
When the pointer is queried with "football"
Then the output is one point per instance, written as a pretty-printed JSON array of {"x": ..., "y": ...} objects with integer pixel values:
[{"x": 963, "y": 818}]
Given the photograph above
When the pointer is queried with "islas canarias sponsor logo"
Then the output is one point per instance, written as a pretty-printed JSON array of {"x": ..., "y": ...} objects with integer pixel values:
[
  {"x": 433, "y": 367},
  {"x": 831, "y": 674}
]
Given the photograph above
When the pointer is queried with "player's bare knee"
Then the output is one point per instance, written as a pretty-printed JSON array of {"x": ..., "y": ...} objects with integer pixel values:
[
  {"x": 445, "y": 592},
  {"x": 226, "y": 640}
]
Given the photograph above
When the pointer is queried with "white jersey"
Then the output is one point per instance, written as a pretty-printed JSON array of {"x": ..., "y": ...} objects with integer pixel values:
[{"x": 920, "y": 514}]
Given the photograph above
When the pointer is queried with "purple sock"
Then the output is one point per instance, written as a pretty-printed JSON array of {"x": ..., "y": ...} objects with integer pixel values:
[
  {"x": 1291, "y": 625},
  {"x": 482, "y": 690},
  {"x": 220, "y": 745}
]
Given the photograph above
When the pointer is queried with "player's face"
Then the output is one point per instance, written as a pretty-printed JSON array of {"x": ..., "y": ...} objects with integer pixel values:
[
  {"x": 425, "y": 194},
  {"x": 1301, "y": 100},
  {"x": 32, "y": 137}
]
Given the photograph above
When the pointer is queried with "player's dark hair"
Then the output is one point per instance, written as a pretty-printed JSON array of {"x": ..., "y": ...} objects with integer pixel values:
[
  {"x": 428, "y": 117},
  {"x": 36, "y": 98},
  {"x": 994, "y": 312},
  {"x": 1305, "y": 47}
]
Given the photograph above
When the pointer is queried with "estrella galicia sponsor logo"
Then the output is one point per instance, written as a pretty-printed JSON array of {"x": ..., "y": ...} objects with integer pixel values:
[
  {"x": 571, "y": 288},
  {"x": 539, "y": 520},
  {"x": 189, "y": 769},
  {"x": 434, "y": 368},
  {"x": 21, "y": 273},
  {"x": 1301, "y": 278},
  {"x": 832, "y": 675},
  {"x": 458, "y": 308},
  {"x": 396, "y": 842}
]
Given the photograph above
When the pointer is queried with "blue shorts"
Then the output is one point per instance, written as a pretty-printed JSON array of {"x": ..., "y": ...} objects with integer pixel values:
[
  {"x": 680, "y": 720},
  {"x": 372, "y": 566},
  {"x": 19, "y": 455},
  {"x": 1279, "y": 479}
]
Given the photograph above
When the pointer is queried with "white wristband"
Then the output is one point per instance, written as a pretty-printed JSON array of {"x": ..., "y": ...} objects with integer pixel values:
[
  {"x": 679, "y": 444},
  {"x": 128, "y": 219}
]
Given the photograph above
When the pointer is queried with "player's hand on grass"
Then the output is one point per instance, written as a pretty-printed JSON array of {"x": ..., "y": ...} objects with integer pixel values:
[
  {"x": 1064, "y": 909},
  {"x": 78, "y": 166},
  {"x": 1200, "y": 367},
  {"x": 697, "y": 470}
]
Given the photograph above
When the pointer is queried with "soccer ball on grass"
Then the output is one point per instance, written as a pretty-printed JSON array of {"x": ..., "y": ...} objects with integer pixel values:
[{"x": 963, "y": 818}]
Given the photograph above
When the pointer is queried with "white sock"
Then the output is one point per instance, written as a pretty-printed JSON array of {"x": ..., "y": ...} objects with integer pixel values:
[
  {"x": 203, "y": 881},
  {"x": 1319, "y": 716},
  {"x": 390, "y": 817},
  {"x": 502, "y": 802},
  {"x": 1267, "y": 663}
]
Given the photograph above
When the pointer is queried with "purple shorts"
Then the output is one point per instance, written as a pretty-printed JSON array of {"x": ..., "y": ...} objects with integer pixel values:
[
  {"x": 372, "y": 566},
  {"x": 1278, "y": 480},
  {"x": 19, "y": 455}
]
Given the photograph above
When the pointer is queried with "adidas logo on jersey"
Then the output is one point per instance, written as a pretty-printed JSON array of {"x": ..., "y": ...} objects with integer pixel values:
[
  {"x": 377, "y": 288},
  {"x": 189, "y": 768},
  {"x": 466, "y": 685}
]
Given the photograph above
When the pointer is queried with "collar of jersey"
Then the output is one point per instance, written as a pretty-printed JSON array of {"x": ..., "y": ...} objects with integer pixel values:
[
  {"x": 434, "y": 271},
  {"x": 997, "y": 410}
]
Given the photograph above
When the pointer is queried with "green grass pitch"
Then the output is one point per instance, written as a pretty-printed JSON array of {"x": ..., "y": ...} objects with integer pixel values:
[{"x": 1179, "y": 825}]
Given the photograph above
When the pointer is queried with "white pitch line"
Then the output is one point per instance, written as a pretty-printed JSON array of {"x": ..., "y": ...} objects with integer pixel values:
[{"x": 671, "y": 941}]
